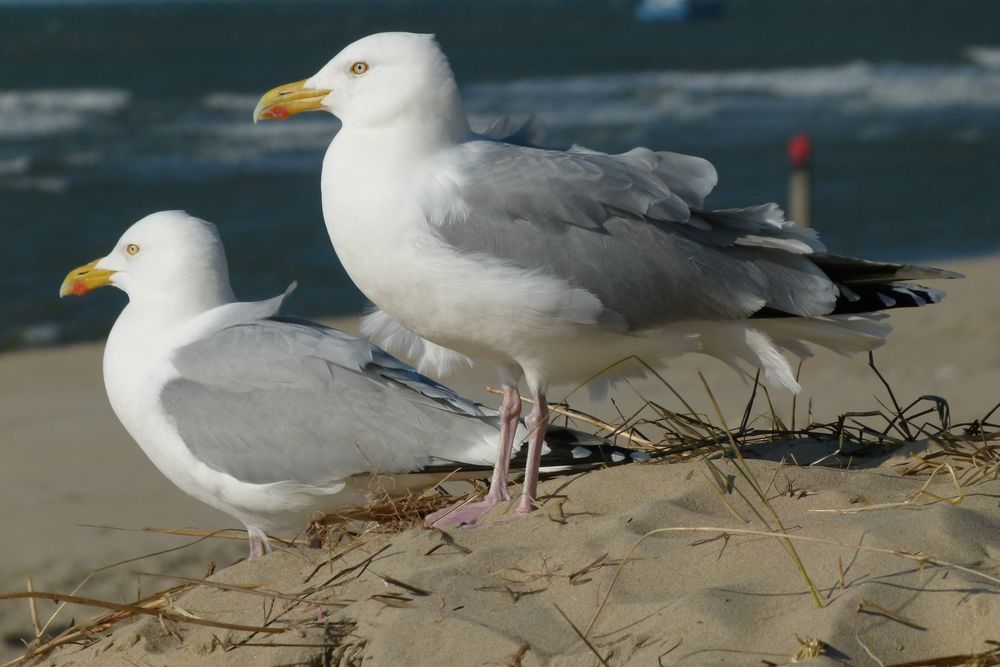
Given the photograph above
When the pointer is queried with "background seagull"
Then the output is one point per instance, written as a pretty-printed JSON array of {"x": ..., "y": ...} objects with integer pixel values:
[
  {"x": 272, "y": 419},
  {"x": 559, "y": 264}
]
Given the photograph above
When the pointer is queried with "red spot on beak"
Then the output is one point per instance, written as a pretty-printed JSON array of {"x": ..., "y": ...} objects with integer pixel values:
[
  {"x": 279, "y": 112},
  {"x": 79, "y": 288}
]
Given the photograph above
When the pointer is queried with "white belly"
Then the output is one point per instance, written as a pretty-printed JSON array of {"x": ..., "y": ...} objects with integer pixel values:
[
  {"x": 476, "y": 305},
  {"x": 135, "y": 368},
  {"x": 479, "y": 306}
]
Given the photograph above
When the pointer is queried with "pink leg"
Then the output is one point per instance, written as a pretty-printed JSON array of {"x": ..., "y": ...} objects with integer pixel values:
[
  {"x": 259, "y": 545},
  {"x": 538, "y": 422},
  {"x": 469, "y": 513}
]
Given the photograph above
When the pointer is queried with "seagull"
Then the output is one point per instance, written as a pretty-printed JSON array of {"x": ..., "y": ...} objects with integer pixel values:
[
  {"x": 557, "y": 265},
  {"x": 273, "y": 419}
]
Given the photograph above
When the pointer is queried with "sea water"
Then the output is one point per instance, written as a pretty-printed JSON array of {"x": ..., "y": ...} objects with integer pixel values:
[{"x": 110, "y": 110}]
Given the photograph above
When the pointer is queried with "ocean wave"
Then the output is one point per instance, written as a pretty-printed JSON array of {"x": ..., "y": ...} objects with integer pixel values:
[
  {"x": 644, "y": 98},
  {"x": 233, "y": 137},
  {"x": 35, "y": 335},
  {"x": 851, "y": 88},
  {"x": 52, "y": 185},
  {"x": 984, "y": 56},
  {"x": 34, "y": 113},
  {"x": 15, "y": 165},
  {"x": 231, "y": 102},
  {"x": 240, "y": 140}
]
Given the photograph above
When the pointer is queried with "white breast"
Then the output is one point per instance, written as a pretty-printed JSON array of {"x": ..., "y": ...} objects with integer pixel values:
[
  {"x": 136, "y": 366},
  {"x": 480, "y": 306}
]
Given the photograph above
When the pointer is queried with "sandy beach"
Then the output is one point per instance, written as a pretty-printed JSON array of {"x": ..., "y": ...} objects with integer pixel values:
[{"x": 481, "y": 596}]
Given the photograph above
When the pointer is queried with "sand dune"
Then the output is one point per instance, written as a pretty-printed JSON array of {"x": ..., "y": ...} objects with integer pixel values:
[
  {"x": 738, "y": 600},
  {"x": 707, "y": 597}
]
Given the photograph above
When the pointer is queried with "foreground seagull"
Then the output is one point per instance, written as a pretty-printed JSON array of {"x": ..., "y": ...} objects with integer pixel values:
[
  {"x": 272, "y": 419},
  {"x": 556, "y": 265}
]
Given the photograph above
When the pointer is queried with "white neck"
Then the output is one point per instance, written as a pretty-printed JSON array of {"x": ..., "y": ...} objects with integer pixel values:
[
  {"x": 396, "y": 146},
  {"x": 144, "y": 330}
]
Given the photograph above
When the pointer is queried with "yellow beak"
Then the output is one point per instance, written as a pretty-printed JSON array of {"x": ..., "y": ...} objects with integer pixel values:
[
  {"x": 85, "y": 278},
  {"x": 287, "y": 100}
]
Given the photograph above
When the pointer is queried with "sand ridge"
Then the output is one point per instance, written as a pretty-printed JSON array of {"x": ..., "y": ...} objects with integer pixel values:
[
  {"x": 475, "y": 597},
  {"x": 67, "y": 462}
]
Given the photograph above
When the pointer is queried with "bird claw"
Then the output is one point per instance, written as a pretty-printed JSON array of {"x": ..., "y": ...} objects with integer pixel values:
[
  {"x": 523, "y": 509},
  {"x": 461, "y": 514}
]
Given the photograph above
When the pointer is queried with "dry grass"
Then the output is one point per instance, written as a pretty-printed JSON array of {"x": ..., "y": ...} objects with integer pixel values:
[
  {"x": 386, "y": 513},
  {"x": 967, "y": 453},
  {"x": 970, "y": 449}
]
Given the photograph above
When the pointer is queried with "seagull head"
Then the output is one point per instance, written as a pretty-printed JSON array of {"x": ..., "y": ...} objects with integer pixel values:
[
  {"x": 377, "y": 81},
  {"x": 168, "y": 254}
]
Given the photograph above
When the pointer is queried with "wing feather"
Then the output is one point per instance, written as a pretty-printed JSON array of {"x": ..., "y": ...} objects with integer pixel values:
[
  {"x": 283, "y": 400},
  {"x": 630, "y": 229}
]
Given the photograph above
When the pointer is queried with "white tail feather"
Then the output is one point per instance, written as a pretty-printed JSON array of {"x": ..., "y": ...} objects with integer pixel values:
[
  {"x": 843, "y": 334},
  {"x": 429, "y": 358},
  {"x": 735, "y": 342},
  {"x": 759, "y": 343}
]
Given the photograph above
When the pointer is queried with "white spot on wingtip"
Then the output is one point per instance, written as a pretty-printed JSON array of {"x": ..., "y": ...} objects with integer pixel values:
[
  {"x": 617, "y": 457},
  {"x": 580, "y": 452},
  {"x": 887, "y": 301}
]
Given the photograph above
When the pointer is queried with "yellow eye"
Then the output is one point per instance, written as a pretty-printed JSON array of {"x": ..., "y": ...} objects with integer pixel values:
[
  {"x": 131, "y": 248},
  {"x": 359, "y": 68}
]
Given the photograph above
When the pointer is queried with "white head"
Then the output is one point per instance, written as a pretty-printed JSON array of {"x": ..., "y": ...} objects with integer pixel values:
[
  {"x": 168, "y": 256},
  {"x": 376, "y": 82}
]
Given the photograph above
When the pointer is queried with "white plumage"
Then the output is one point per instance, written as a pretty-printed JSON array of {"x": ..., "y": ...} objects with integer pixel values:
[
  {"x": 556, "y": 264},
  {"x": 273, "y": 419}
]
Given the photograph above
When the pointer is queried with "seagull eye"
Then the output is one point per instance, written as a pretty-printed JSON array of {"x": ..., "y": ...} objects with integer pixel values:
[
  {"x": 131, "y": 248},
  {"x": 359, "y": 68}
]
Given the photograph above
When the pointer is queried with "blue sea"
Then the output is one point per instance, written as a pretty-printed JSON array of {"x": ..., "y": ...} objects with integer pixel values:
[{"x": 110, "y": 110}]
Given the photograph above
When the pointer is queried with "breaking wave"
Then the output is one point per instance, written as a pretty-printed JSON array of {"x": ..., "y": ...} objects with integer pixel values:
[
  {"x": 37, "y": 113},
  {"x": 850, "y": 89}
]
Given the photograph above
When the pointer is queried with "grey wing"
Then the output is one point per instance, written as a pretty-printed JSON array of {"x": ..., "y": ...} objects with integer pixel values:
[
  {"x": 281, "y": 400},
  {"x": 628, "y": 228},
  {"x": 530, "y": 133}
]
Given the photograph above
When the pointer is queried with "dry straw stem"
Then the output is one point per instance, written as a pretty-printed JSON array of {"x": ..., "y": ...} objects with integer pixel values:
[
  {"x": 152, "y": 605},
  {"x": 388, "y": 513},
  {"x": 912, "y": 500},
  {"x": 36, "y": 647},
  {"x": 581, "y": 635},
  {"x": 923, "y": 559},
  {"x": 969, "y": 453},
  {"x": 562, "y": 409},
  {"x": 989, "y": 658},
  {"x": 251, "y": 589},
  {"x": 88, "y": 632},
  {"x": 693, "y": 434},
  {"x": 34, "y": 618},
  {"x": 225, "y": 534},
  {"x": 154, "y": 610},
  {"x": 971, "y": 448},
  {"x": 749, "y": 477}
]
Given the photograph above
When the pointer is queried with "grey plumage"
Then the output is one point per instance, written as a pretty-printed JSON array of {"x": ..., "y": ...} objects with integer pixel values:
[
  {"x": 269, "y": 399},
  {"x": 631, "y": 230},
  {"x": 283, "y": 400},
  {"x": 545, "y": 186}
]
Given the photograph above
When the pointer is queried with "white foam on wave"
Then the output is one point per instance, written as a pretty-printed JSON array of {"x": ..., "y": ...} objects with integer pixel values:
[
  {"x": 234, "y": 138},
  {"x": 34, "y": 113},
  {"x": 52, "y": 185},
  {"x": 984, "y": 56},
  {"x": 15, "y": 165},
  {"x": 851, "y": 88},
  {"x": 241, "y": 140},
  {"x": 225, "y": 133},
  {"x": 236, "y": 102},
  {"x": 36, "y": 335}
]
